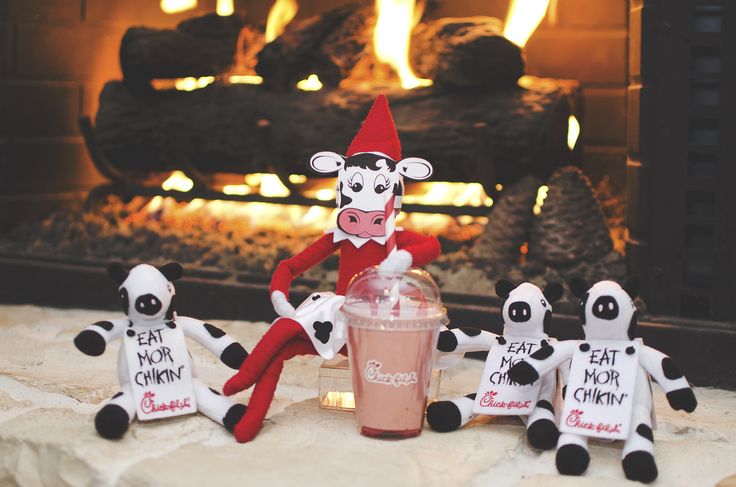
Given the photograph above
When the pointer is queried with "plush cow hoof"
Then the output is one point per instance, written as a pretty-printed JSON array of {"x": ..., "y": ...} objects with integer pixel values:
[
  {"x": 543, "y": 434},
  {"x": 233, "y": 416},
  {"x": 443, "y": 416},
  {"x": 639, "y": 465},
  {"x": 112, "y": 422},
  {"x": 572, "y": 459}
]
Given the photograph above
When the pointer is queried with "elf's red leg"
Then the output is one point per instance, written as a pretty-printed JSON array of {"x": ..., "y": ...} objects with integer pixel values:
[
  {"x": 281, "y": 332},
  {"x": 252, "y": 421}
]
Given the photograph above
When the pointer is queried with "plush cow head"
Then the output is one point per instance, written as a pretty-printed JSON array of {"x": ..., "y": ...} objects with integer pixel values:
[
  {"x": 365, "y": 181},
  {"x": 146, "y": 292},
  {"x": 607, "y": 309},
  {"x": 527, "y": 310}
]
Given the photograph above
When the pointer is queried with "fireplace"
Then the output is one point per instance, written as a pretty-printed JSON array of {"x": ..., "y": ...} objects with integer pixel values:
[{"x": 195, "y": 147}]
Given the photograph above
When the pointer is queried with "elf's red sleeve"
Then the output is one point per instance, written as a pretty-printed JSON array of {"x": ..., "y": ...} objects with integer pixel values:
[
  {"x": 289, "y": 268},
  {"x": 423, "y": 249}
]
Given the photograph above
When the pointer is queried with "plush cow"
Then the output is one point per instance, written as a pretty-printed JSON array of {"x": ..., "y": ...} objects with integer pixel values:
[
  {"x": 527, "y": 312},
  {"x": 608, "y": 379},
  {"x": 370, "y": 173},
  {"x": 148, "y": 299}
]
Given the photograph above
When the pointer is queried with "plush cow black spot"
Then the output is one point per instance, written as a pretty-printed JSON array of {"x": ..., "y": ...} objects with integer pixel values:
[
  {"x": 444, "y": 416},
  {"x": 398, "y": 189},
  {"x": 105, "y": 325},
  {"x": 544, "y": 343},
  {"x": 630, "y": 350},
  {"x": 124, "y": 301},
  {"x": 471, "y": 396},
  {"x": 130, "y": 324},
  {"x": 316, "y": 297},
  {"x": 171, "y": 324},
  {"x": 367, "y": 160},
  {"x": 572, "y": 459},
  {"x": 90, "y": 343},
  {"x": 633, "y": 323},
  {"x": 470, "y": 331},
  {"x": 605, "y": 308},
  {"x": 504, "y": 288},
  {"x": 543, "y": 434},
  {"x": 520, "y": 312},
  {"x": 682, "y": 399},
  {"x": 547, "y": 322},
  {"x": 584, "y": 347},
  {"x": 213, "y": 331},
  {"x": 234, "y": 355},
  {"x": 447, "y": 341},
  {"x": 344, "y": 199},
  {"x": 564, "y": 391},
  {"x": 215, "y": 392},
  {"x": 640, "y": 466},
  {"x": 130, "y": 333},
  {"x": 322, "y": 330},
  {"x": 670, "y": 369},
  {"x": 545, "y": 404},
  {"x": 172, "y": 308},
  {"x": 112, "y": 422},
  {"x": 542, "y": 353},
  {"x": 583, "y": 303},
  {"x": 117, "y": 395},
  {"x": 148, "y": 304},
  {"x": 233, "y": 416},
  {"x": 523, "y": 373},
  {"x": 645, "y": 432},
  {"x": 501, "y": 340}
]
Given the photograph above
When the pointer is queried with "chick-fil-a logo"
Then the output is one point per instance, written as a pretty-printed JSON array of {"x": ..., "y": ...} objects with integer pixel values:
[
  {"x": 373, "y": 374},
  {"x": 149, "y": 406},
  {"x": 573, "y": 420},
  {"x": 489, "y": 400}
]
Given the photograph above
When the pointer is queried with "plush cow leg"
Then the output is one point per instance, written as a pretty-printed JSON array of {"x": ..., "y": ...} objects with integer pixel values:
[
  {"x": 444, "y": 416},
  {"x": 217, "y": 407},
  {"x": 638, "y": 452},
  {"x": 113, "y": 419},
  {"x": 572, "y": 454},
  {"x": 541, "y": 430},
  {"x": 260, "y": 400},
  {"x": 282, "y": 331}
]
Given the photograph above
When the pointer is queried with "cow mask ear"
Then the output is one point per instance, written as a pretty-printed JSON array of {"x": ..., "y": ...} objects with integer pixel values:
[
  {"x": 553, "y": 292},
  {"x": 631, "y": 286},
  {"x": 172, "y": 271},
  {"x": 579, "y": 287},
  {"x": 415, "y": 168},
  {"x": 326, "y": 162},
  {"x": 117, "y": 272},
  {"x": 504, "y": 288}
]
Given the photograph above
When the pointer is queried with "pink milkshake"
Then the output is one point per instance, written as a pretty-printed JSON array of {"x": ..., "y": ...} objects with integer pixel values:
[{"x": 391, "y": 348}]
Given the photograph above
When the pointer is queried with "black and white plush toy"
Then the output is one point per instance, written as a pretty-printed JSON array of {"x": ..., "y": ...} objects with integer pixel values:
[
  {"x": 608, "y": 393},
  {"x": 527, "y": 312},
  {"x": 155, "y": 368}
]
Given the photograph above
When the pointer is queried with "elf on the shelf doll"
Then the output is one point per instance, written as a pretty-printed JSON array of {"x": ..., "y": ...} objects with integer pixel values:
[{"x": 369, "y": 177}]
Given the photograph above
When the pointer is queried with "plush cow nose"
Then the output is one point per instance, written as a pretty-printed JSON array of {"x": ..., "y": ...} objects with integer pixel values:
[
  {"x": 605, "y": 308},
  {"x": 148, "y": 304},
  {"x": 520, "y": 311},
  {"x": 362, "y": 223}
]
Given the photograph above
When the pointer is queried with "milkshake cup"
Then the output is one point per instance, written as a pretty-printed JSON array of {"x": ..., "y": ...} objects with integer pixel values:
[{"x": 392, "y": 323}]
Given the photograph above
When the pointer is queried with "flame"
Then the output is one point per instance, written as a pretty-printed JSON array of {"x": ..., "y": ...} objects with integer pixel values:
[
  {"x": 176, "y": 6},
  {"x": 573, "y": 131},
  {"x": 325, "y": 194},
  {"x": 338, "y": 400},
  {"x": 189, "y": 84},
  {"x": 312, "y": 83},
  {"x": 541, "y": 196},
  {"x": 247, "y": 79},
  {"x": 279, "y": 17},
  {"x": 236, "y": 189},
  {"x": 443, "y": 193},
  {"x": 177, "y": 181},
  {"x": 225, "y": 7},
  {"x": 391, "y": 38},
  {"x": 523, "y": 18},
  {"x": 297, "y": 178}
]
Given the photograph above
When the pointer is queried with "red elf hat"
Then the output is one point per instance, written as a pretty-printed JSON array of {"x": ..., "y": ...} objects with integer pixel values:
[{"x": 378, "y": 133}]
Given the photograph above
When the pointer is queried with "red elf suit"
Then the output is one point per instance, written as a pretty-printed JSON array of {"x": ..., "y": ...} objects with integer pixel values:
[{"x": 371, "y": 172}]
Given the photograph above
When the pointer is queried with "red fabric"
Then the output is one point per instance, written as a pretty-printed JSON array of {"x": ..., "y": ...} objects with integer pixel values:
[{"x": 378, "y": 133}]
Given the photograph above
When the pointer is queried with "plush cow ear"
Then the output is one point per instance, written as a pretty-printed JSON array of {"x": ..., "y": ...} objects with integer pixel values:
[
  {"x": 553, "y": 291},
  {"x": 172, "y": 271},
  {"x": 631, "y": 286},
  {"x": 504, "y": 288},
  {"x": 326, "y": 162},
  {"x": 415, "y": 168},
  {"x": 579, "y": 287},
  {"x": 117, "y": 272}
]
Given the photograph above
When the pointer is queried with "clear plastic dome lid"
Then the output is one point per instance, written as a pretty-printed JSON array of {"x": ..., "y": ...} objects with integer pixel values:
[{"x": 410, "y": 299}]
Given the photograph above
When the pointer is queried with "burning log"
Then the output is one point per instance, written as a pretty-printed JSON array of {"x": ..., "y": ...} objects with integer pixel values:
[
  {"x": 202, "y": 46},
  {"x": 245, "y": 129},
  {"x": 466, "y": 52}
]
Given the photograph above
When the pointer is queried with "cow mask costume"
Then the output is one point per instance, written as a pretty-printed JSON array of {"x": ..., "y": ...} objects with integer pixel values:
[
  {"x": 527, "y": 312},
  {"x": 608, "y": 316},
  {"x": 148, "y": 299},
  {"x": 368, "y": 176}
]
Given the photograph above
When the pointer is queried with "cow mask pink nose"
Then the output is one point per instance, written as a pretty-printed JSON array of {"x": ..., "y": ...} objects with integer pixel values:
[{"x": 361, "y": 223}]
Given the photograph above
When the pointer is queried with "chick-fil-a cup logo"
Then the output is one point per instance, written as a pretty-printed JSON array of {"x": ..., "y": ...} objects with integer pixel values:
[{"x": 373, "y": 374}]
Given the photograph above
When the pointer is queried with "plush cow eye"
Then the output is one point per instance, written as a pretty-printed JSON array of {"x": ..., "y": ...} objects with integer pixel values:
[
  {"x": 356, "y": 182},
  {"x": 381, "y": 184}
]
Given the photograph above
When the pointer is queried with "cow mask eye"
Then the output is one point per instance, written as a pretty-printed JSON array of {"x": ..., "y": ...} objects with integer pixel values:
[
  {"x": 381, "y": 184},
  {"x": 356, "y": 182}
]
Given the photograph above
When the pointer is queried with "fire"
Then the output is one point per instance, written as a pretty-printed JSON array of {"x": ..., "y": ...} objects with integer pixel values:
[
  {"x": 279, "y": 17},
  {"x": 573, "y": 131},
  {"x": 541, "y": 196},
  {"x": 178, "y": 181},
  {"x": 248, "y": 79},
  {"x": 443, "y": 193},
  {"x": 225, "y": 7},
  {"x": 523, "y": 18},
  {"x": 189, "y": 84},
  {"x": 311, "y": 83},
  {"x": 176, "y": 6},
  {"x": 396, "y": 19}
]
